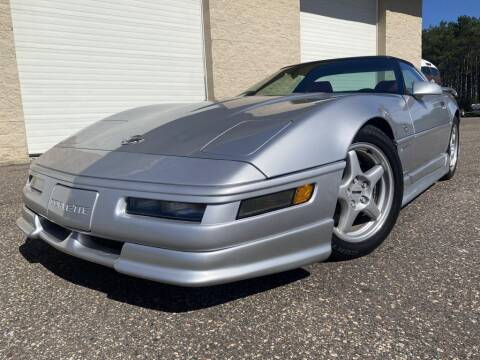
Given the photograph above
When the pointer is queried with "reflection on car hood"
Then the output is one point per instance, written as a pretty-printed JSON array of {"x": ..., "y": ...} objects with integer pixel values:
[{"x": 239, "y": 126}]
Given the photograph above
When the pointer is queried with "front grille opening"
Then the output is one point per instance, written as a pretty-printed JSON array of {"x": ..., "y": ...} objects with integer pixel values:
[
  {"x": 106, "y": 245},
  {"x": 58, "y": 232}
]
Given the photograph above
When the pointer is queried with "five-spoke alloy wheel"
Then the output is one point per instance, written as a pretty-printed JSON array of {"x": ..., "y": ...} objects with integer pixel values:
[
  {"x": 366, "y": 193},
  {"x": 370, "y": 194}
]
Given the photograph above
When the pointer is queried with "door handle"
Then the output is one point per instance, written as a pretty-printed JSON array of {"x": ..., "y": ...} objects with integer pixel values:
[{"x": 444, "y": 105}]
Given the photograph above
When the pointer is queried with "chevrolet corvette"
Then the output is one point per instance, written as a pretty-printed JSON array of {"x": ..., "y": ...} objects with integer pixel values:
[{"x": 315, "y": 162}]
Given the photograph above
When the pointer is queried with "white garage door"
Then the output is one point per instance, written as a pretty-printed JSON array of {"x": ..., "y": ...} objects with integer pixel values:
[
  {"x": 80, "y": 61},
  {"x": 340, "y": 28}
]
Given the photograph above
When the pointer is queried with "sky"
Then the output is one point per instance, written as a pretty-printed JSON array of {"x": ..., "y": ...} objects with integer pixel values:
[{"x": 435, "y": 11}]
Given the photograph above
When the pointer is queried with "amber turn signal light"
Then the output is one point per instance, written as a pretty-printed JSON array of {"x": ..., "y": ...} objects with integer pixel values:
[
  {"x": 276, "y": 201},
  {"x": 303, "y": 194}
]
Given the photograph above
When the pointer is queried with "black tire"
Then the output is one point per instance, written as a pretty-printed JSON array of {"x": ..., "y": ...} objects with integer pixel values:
[
  {"x": 452, "y": 171},
  {"x": 342, "y": 250}
]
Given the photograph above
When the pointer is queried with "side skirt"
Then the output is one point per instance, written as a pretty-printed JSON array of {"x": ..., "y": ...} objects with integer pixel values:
[{"x": 423, "y": 183}]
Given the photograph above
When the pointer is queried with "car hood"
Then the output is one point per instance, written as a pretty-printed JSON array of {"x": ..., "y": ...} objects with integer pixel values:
[{"x": 232, "y": 129}]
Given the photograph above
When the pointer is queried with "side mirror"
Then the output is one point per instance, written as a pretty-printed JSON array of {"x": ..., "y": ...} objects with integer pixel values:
[{"x": 422, "y": 88}]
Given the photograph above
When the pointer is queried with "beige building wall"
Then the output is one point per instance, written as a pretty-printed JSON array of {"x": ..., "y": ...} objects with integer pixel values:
[
  {"x": 248, "y": 40},
  {"x": 13, "y": 147},
  {"x": 400, "y": 29}
]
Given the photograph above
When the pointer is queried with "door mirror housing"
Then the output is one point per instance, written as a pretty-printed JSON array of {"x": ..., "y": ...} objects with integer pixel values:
[{"x": 422, "y": 88}]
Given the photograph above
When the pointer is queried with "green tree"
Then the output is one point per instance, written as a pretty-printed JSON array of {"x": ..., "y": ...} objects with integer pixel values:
[{"x": 455, "y": 48}]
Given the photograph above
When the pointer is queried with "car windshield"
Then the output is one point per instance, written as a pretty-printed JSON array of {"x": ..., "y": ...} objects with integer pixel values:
[{"x": 362, "y": 75}]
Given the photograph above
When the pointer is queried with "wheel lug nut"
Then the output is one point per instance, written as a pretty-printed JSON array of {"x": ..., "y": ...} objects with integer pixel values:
[
  {"x": 352, "y": 203},
  {"x": 364, "y": 185},
  {"x": 363, "y": 200}
]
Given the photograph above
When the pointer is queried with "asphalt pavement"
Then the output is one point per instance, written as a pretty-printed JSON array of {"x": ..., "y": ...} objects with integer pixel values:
[{"x": 416, "y": 297}]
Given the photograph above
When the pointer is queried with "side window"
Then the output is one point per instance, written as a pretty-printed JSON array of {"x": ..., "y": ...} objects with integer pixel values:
[
  {"x": 426, "y": 71},
  {"x": 368, "y": 81},
  {"x": 410, "y": 75}
]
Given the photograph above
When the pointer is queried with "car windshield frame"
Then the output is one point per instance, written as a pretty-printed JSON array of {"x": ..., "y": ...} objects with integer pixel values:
[{"x": 315, "y": 70}]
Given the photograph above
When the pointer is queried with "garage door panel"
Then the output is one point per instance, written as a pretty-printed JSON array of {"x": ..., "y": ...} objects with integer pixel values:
[
  {"x": 335, "y": 29},
  {"x": 60, "y": 35},
  {"x": 106, "y": 24},
  {"x": 64, "y": 25},
  {"x": 133, "y": 77},
  {"x": 96, "y": 59},
  {"x": 80, "y": 61},
  {"x": 102, "y": 10},
  {"x": 353, "y": 10},
  {"x": 127, "y": 46}
]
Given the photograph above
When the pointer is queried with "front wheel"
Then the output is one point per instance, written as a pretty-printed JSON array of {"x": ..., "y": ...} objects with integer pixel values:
[{"x": 370, "y": 195}]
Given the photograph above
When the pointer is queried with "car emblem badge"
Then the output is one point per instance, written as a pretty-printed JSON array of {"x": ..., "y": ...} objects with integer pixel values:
[{"x": 135, "y": 139}]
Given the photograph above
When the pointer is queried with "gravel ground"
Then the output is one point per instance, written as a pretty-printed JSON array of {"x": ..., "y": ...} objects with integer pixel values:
[{"x": 417, "y": 296}]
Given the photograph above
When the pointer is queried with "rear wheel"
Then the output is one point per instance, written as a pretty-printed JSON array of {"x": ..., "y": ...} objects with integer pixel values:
[
  {"x": 370, "y": 195},
  {"x": 453, "y": 150}
]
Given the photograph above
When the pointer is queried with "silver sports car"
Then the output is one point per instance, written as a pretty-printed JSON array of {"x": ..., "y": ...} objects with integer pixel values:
[{"x": 314, "y": 162}]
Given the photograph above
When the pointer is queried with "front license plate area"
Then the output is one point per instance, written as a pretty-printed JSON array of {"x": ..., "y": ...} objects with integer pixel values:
[{"x": 72, "y": 208}]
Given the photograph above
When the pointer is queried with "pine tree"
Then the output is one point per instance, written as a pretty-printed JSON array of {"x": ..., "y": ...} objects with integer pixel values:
[{"x": 454, "y": 47}]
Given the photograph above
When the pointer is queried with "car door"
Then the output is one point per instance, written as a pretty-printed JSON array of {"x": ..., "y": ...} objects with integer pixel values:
[{"x": 431, "y": 122}]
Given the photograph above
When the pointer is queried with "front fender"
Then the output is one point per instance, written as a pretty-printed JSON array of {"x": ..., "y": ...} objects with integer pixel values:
[
  {"x": 324, "y": 135},
  {"x": 453, "y": 108}
]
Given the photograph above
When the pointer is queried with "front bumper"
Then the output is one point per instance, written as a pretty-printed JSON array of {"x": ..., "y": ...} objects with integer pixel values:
[{"x": 218, "y": 250}]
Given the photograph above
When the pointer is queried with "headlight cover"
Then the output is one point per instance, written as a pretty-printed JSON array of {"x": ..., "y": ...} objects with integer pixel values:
[
  {"x": 276, "y": 201},
  {"x": 166, "y": 209}
]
